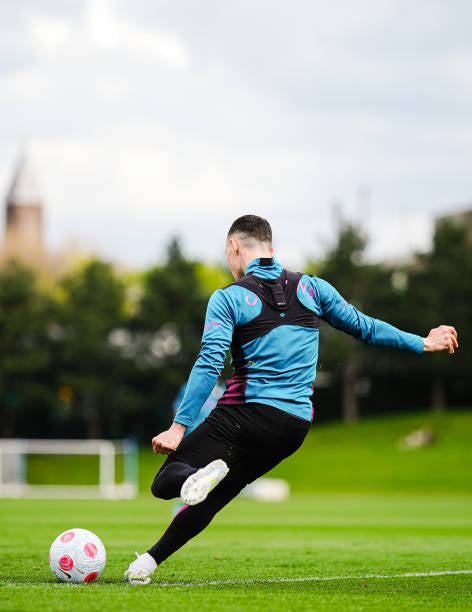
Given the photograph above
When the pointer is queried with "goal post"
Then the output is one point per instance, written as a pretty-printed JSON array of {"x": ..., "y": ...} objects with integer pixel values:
[{"x": 13, "y": 468}]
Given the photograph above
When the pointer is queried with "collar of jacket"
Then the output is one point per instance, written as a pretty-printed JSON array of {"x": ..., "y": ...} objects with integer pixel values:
[{"x": 264, "y": 267}]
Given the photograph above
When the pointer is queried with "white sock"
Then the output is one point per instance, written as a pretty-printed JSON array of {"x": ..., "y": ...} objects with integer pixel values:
[{"x": 147, "y": 562}]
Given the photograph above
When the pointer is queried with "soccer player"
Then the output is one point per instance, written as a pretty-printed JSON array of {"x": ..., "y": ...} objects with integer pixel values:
[{"x": 270, "y": 317}]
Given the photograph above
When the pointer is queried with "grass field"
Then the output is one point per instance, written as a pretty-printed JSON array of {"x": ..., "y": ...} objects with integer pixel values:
[{"x": 319, "y": 550}]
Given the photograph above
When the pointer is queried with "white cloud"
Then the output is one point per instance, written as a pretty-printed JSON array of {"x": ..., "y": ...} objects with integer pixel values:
[
  {"x": 106, "y": 29},
  {"x": 49, "y": 34}
]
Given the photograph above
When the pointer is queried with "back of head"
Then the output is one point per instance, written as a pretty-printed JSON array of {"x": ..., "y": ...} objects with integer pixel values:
[{"x": 251, "y": 229}]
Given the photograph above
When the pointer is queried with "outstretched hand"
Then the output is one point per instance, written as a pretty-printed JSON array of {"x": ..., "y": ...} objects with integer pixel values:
[
  {"x": 168, "y": 441},
  {"x": 441, "y": 338}
]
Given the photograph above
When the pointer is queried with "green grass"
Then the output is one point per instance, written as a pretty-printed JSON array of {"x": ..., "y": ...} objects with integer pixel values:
[
  {"x": 313, "y": 535},
  {"x": 361, "y": 506}
]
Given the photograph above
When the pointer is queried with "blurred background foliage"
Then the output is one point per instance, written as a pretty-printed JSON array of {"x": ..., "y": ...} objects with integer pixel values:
[{"x": 102, "y": 353}]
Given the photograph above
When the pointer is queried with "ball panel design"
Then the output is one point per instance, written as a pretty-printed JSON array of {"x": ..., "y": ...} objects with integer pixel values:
[
  {"x": 67, "y": 536},
  {"x": 90, "y": 549},
  {"x": 66, "y": 563}
]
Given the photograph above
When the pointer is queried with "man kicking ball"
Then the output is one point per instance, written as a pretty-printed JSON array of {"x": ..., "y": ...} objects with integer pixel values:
[{"x": 270, "y": 318}]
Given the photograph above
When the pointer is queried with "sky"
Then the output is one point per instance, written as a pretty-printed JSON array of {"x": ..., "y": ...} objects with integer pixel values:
[{"x": 145, "y": 119}]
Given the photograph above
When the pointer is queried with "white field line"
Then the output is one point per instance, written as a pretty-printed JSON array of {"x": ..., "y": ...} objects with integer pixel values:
[
  {"x": 254, "y": 582},
  {"x": 257, "y": 581}
]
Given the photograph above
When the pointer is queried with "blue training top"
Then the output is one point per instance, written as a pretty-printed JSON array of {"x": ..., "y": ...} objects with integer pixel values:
[{"x": 276, "y": 368}]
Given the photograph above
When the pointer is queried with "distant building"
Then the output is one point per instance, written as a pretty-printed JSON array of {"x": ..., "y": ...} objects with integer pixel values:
[
  {"x": 24, "y": 238},
  {"x": 24, "y": 217}
]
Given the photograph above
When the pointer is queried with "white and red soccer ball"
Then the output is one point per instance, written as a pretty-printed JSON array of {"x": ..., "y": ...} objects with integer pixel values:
[{"x": 77, "y": 555}]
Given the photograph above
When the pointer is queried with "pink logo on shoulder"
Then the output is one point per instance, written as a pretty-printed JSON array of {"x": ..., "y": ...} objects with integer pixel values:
[
  {"x": 304, "y": 287},
  {"x": 248, "y": 300}
]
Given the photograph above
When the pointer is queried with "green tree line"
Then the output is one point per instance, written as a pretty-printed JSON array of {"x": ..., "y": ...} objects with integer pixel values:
[
  {"x": 102, "y": 353},
  {"x": 434, "y": 288}
]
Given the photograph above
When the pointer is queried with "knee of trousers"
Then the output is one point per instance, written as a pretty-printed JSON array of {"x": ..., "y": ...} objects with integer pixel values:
[{"x": 158, "y": 489}]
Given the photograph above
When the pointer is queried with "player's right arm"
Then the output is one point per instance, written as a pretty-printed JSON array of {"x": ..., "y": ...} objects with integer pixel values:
[
  {"x": 344, "y": 316},
  {"x": 216, "y": 340}
]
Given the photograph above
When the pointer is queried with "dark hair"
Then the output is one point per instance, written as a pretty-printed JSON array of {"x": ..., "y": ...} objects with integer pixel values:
[{"x": 252, "y": 226}]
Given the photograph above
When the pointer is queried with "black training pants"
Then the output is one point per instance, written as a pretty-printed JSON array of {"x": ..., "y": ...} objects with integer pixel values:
[{"x": 250, "y": 438}]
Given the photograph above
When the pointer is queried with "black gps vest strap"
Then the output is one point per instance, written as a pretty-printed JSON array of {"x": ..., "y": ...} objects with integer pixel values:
[
  {"x": 280, "y": 306},
  {"x": 273, "y": 289}
]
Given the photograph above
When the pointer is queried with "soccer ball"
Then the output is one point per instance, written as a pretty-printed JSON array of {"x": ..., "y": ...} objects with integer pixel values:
[{"x": 77, "y": 555}]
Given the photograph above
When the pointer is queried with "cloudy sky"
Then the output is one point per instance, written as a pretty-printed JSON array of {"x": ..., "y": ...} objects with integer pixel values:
[{"x": 147, "y": 118}]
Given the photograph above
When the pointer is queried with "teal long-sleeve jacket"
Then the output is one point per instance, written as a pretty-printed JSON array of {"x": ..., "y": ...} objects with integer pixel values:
[{"x": 279, "y": 368}]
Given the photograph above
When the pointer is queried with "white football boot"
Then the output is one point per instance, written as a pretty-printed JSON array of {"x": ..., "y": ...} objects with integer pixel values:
[
  {"x": 140, "y": 570},
  {"x": 197, "y": 486}
]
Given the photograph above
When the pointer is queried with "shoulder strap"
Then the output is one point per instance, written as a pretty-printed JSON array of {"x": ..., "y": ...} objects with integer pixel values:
[{"x": 273, "y": 290}]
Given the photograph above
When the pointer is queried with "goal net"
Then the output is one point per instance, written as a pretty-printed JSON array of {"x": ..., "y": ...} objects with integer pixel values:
[{"x": 15, "y": 454}]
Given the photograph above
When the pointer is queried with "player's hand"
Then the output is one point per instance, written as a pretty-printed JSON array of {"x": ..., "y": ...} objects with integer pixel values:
[
  {"x": 168, "y": 441},
  {"x": 442, "y": 338}
]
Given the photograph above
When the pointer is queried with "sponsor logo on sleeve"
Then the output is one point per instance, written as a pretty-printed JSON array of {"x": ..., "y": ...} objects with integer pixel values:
[{"x": 213, "y": 324}]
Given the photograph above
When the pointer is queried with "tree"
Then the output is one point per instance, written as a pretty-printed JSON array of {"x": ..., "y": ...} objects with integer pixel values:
[
  {"x": 24, "y": 354},
  {"x": 441, "y": 288},
  {"x": 171, "y": 312},
  {"x": 90, "y": 305},
  {"x": 343, "y": 268}
]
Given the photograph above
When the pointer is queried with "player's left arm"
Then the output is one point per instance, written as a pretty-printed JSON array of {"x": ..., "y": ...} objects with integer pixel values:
[
  {"x": 346, "y": 317},
  {"x": 217, "y": 334}
]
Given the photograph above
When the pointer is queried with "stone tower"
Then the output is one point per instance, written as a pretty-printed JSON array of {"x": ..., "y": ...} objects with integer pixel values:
[{"x": 23, "y": 228}]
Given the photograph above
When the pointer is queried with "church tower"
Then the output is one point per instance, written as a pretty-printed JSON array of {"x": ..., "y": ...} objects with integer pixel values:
[{"x": 23, "y": 228}]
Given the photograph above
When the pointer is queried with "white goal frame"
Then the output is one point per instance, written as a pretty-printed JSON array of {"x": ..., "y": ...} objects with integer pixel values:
[{"x": 13, "y": 453}]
